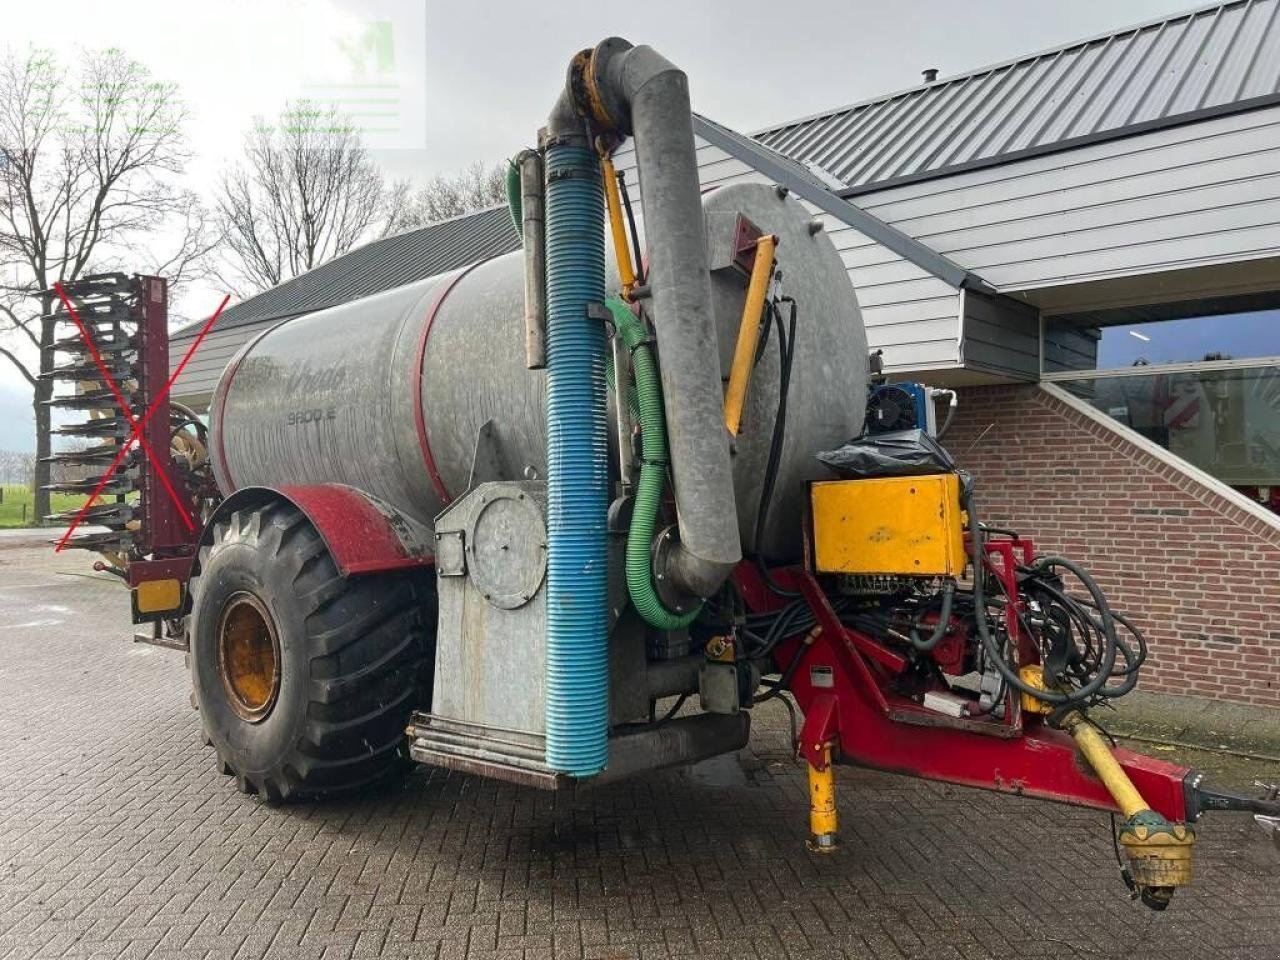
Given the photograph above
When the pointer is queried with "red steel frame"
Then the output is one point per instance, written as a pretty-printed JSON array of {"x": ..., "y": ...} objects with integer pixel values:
[
  {"x": 155, "y": 315},
  {"x": 167, "y": 528},
  {"x": 849, "y": 706}
]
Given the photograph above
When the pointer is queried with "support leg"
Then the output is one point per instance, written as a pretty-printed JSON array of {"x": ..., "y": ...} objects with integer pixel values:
[{"x": 822, "y": 804}]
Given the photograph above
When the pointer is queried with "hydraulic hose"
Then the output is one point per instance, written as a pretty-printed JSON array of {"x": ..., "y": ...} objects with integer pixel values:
[
  {"x": 786, "y": 357},
  {"x": 653, "y": 474},
  {"x": 1056, "y": 698},
  {"x": 944, "y": 621}
]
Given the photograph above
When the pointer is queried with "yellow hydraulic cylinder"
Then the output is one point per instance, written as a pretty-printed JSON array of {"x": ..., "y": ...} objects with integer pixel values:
[
  {"x": 626, "y": 272},
  {"x": 823, "y": 822},
  {"x": 744, "y": 351}
]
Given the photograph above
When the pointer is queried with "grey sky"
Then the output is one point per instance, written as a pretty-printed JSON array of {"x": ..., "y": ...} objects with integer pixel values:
[
  {"x": 492, "y": 69},
  {"x": 472, "y": 80}
]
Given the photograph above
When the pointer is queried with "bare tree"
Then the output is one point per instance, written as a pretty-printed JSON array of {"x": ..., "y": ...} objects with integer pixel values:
[
  {"x": 306, "y": 191},
  {"x": 16, "y": 466},
  {"x": 477, "y": 187},
  {"x": 91, "y": 163}
]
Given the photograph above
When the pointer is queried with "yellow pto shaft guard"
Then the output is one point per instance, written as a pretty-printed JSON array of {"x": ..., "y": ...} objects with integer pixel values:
[{"x": 1159, "y": 852}]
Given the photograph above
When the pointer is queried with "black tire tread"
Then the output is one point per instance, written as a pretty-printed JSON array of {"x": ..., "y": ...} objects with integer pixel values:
[{"x": 367, "y": 636}]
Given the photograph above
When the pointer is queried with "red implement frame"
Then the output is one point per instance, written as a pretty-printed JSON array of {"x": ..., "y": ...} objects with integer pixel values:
[
  {"x": 843, "y": 685},
  {"x": 167, "y": 528}
]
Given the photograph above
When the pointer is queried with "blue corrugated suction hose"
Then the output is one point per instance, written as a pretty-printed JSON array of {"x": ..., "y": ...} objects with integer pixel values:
[{"x": 577, "y": 660}]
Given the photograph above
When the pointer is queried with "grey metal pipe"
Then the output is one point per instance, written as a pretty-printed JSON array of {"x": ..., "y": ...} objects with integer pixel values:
[
  {"x": 669, "y": 678},
  {"x": 622, "y": 407},
  {"x": 535, "y": 259},
  {"x": 635, "y": 90},
  {"x": 677, "y": 742}
]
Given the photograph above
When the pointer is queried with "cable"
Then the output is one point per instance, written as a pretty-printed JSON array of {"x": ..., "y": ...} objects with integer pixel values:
[
  {"x": 951, "y": 409},
  {"x": 1094, "y": 678},
  {"x": 925, "y": 644},
  {"x": 786, "y": 356},
  {"x": 1003, "y": 531},
  {"x": 631, "y": 221},
  {"x": 674, "y": 710},
  {"x": 777, "y": 693}
]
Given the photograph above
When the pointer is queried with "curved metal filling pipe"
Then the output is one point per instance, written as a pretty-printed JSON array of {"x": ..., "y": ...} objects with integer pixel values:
[{"x": 634, "y": 91}]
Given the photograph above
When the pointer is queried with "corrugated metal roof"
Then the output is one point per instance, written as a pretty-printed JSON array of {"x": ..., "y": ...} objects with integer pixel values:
[
  {"x": 381, "y": 265},
  {"x": 1167, "y": 71}
]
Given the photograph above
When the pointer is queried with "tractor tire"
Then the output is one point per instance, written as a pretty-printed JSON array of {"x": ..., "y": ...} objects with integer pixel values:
[{"x": 305, "y": 679}]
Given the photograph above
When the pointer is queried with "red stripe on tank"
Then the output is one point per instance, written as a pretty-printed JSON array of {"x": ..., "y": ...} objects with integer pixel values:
[{"x": 419, "y": 417}]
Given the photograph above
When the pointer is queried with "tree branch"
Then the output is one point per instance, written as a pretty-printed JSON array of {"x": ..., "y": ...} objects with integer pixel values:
[{"x": 5, "y": 352}]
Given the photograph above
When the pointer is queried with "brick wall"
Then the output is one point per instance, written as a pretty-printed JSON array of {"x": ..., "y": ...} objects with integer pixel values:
[{"x": 1199, "y": 573}]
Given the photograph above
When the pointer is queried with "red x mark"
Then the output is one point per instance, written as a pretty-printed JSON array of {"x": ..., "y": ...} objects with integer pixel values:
[{"x": 137, "y": 425}]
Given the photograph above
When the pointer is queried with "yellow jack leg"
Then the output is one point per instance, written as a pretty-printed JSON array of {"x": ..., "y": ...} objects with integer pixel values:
[{"x": 822, "y": 806}]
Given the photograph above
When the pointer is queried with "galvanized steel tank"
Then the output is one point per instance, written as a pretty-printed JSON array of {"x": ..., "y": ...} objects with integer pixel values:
[{"x": 388, "y": 393}]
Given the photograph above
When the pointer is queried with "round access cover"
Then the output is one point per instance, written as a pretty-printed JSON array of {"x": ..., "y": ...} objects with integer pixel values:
[{"x": 507, "y": 549}]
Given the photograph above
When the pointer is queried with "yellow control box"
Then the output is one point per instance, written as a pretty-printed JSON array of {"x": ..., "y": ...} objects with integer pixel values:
[{"x": 895, "y": 525}]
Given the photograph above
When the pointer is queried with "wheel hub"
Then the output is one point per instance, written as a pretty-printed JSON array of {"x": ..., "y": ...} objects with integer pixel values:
[{"x": 248, "y": 657}]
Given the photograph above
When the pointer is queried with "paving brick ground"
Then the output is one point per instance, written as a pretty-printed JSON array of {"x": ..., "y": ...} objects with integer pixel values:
[{"x": 119, "y": 839}]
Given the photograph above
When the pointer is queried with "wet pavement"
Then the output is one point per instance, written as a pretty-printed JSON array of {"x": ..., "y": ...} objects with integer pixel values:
[{"x": 118, "y": 838}]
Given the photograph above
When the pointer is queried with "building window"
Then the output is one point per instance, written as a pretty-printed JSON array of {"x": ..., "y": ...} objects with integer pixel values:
[{"x": 1206, "y": 389}]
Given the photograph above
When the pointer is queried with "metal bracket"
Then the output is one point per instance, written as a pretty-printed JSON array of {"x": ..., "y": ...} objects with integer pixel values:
[
  {"x": 451, "y": 554},
  {"x": 486, "y": 460},
  {"x": 820, "y": 731}
]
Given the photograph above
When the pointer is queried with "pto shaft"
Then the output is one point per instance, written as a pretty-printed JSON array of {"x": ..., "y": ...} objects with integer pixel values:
[{"x": 1159, "y": 852}]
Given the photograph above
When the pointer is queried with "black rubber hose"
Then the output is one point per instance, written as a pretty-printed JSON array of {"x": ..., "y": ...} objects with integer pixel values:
[
  {"x": 784, "y": 679},
  {"x": 786, "y": 355},
  {"x": 631, "y": 222},
  {"x": 1133, "y": 660},
  {"x": 666, "y": 718},
  {"x": 1003, "y": 531},
  {"x": 1110, "y": 641},
  {"x": 175, "y": 429},
  {"x": 944, "y": 621},
  {"x": 946, "y": 424},
  {"x": 992, "y": 649},
  {"x": 1141, "y": 657}
]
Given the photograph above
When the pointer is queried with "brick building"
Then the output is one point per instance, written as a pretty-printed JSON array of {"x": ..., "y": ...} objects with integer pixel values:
[
  {"x": 1085, "y": 242},
  {"x": 1195, "y": 563}
]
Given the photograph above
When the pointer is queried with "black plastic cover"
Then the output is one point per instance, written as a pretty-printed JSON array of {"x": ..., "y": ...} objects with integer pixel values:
[{"x": 898, "y": 453}]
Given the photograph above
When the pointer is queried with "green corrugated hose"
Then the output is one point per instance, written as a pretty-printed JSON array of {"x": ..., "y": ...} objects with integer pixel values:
[
  {"x": 644, "y": 397},
  {"x": 653, "y": 473}
]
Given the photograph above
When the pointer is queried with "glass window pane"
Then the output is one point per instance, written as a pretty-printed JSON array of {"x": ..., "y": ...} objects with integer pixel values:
[
  {"x": 1226, "y": 422},
  {"x": 1071, "y": 345}
]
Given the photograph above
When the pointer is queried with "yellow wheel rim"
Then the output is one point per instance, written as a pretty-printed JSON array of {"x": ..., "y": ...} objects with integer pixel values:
[{"x": 248, "y": 657}]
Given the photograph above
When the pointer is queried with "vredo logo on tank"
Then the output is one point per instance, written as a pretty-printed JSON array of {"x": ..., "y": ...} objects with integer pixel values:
[{"x": 320, "y": 384}]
